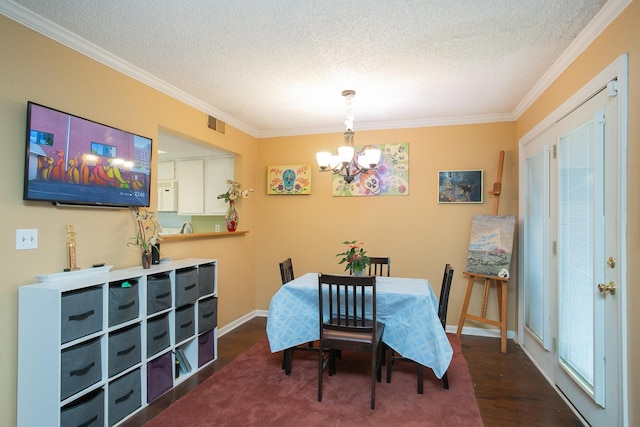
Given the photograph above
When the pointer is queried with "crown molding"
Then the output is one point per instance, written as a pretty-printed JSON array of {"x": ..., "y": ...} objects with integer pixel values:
[
  {"x": 55, "y": 32},
  {"x": 602, "y": 20}
]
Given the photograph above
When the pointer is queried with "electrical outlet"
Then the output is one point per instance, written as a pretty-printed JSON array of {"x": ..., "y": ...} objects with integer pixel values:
[
  {"x": 26, "y": 239},
  {"x": 217, "y": 228}
]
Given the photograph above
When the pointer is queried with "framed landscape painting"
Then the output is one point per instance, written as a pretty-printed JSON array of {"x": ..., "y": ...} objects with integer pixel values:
[{"x": 460, "y": 186}]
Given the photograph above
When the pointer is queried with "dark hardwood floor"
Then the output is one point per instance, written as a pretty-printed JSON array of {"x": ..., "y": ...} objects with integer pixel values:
[{"x": 509, "y": 389}]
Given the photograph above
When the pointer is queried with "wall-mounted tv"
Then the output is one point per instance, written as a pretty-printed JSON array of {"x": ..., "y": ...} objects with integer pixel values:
[{"x": 71, "y": 160}]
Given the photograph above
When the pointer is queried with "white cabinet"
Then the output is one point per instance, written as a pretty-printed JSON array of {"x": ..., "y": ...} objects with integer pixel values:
[
  {"x": 191, "y": 186},
  {"x": 95, "y": 349},
  {"x": 166, "y": 171},
  {"x": 200, "y": 181},
  {"x": 217, "y": 172}
]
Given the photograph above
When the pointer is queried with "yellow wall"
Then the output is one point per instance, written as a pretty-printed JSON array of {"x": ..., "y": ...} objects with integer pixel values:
[
  {"x": 417, "y": 232},
  {"x": 620, "y": 37},
  {"x": 38, "y": 69}
]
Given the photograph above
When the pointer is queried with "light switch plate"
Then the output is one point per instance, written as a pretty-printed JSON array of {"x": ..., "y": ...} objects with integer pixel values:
[{"x": 26, "y": 239}]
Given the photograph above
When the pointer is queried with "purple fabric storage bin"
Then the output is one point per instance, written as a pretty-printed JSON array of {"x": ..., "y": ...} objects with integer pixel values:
[
  {"x": 206, "y": 348},
  {"x": 159, "y": 376}
]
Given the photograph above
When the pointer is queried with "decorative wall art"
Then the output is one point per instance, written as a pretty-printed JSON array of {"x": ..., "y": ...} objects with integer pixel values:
[
  {"x": 390, "y": 178},
  {"x": 491, "y": 244},
  {"x": 460, "y": 186},
  {"x": 289, "y": 179}
]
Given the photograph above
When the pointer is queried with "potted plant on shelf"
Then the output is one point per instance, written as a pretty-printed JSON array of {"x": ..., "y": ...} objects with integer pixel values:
[
  {"x": 147, "y": 234},
  {"x": 234, "y": 192},
  {"x": 355, "y": 257}
]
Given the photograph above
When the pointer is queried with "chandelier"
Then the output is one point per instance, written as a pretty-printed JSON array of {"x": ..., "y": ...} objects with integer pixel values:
[{"x": 346, "y": 163}]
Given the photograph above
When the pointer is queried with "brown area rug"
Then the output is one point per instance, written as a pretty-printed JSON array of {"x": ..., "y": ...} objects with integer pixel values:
[{"x": 253, "y": 390}]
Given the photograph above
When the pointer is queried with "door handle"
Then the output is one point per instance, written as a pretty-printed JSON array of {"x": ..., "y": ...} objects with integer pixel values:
[{"x": 611, "y": 288}]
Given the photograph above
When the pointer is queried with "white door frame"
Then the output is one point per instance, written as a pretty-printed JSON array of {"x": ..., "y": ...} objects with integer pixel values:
[{"x": 616, "y": 70}]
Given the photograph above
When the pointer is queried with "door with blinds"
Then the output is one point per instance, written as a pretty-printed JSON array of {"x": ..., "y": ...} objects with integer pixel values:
[{"x": 571, "y": 247}]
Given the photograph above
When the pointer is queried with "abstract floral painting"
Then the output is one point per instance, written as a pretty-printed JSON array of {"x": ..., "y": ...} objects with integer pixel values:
[
  {"x": 390, "y": 177},
  {"x": 491, "y": 244},
  {"x": 289, "y": 179}
]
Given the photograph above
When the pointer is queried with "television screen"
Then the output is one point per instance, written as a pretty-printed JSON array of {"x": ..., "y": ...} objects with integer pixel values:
[{"x": 71, "y": 160}]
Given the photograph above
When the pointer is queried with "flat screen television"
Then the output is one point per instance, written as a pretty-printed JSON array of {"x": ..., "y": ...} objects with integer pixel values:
[{"x": 71, "y": 160}]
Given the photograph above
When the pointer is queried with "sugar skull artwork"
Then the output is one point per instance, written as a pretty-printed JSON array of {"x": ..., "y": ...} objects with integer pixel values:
[{"x": 289, "y": 179}]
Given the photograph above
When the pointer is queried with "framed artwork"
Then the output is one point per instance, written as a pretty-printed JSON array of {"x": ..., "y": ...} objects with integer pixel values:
[
  {"x": 460, "y": 186},
  {"x": 390, "y": 178},
  {"x": 289, "y": 179},
  {"x": 490, "y": 244}
]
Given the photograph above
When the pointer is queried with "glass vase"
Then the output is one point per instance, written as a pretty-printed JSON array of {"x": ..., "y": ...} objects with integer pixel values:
[
  {"x": 146, "y": 259},
  {"x": 231, "y": 217}
]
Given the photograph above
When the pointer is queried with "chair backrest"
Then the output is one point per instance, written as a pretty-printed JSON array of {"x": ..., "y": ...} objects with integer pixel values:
[
  {"x": 443, "y": 304},
  {"x": 349, "y": 300},
  {"x": 377, "y": 266},
  {"x": 286, "y": 271}
]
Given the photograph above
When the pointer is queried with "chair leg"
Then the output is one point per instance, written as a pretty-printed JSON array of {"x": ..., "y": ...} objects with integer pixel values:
[
  {"x": 287, "y": 360},
  {"x": 420, "y": 378},
  {"x": 320, "y": 373},
  {"x": 389, "y": 363},
  {"x": 445, "y": 381}
]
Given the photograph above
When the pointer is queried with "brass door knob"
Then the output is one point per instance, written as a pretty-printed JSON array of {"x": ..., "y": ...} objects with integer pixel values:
[{"x": 611, "y": 288}]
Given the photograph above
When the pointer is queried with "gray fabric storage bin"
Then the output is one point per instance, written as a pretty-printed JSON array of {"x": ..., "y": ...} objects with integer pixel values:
[
  {"x": 80, "y": 366},
  {"x": 81, "y": 313},
  {"x": 158, "y": 337},
  {"x": 207, "y": 314},
  {"x": 205, "y": 279},
  {"x": 123, "y": 301},
  {"x": 88, "y": 411},
  {"x": 185, "y": 322},
  {"x": 124, "y": 349},
  {"x": 186, "y": 286},
  {"x": 124, "y": 396},
  {"x": 158, "y": 293}
]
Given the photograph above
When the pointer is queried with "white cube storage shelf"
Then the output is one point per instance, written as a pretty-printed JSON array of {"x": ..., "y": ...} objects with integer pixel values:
[{"x": 95, "y": 349}]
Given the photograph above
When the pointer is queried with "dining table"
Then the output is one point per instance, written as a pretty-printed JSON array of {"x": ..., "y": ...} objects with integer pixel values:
[{"x": 408, "y": 307}]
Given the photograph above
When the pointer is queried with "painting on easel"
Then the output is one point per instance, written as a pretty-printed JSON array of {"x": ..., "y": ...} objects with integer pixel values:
[{"x": 491, "y": 244}]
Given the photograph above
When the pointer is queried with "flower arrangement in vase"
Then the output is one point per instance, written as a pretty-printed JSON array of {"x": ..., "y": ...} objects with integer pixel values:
[
  {"x": 147, "y": 234},
  {"x": 355, "y": 257},
  {"x": 234, "y": 192}
]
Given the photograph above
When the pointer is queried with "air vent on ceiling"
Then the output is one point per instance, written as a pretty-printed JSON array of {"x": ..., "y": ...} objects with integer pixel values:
[{"x": 217, "y": 125}]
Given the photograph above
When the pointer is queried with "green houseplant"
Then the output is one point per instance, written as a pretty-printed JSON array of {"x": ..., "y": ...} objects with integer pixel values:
[{"x": 355, "y": 257}]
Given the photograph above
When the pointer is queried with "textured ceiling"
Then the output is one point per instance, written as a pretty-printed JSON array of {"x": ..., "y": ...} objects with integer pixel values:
[{"x": 278, "y": 67}]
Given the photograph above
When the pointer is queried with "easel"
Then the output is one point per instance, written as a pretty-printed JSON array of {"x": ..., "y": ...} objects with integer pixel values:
[{"x": 500, "y": 282}]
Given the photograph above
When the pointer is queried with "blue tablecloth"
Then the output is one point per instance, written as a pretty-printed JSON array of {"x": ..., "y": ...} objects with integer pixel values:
[{"x": 407, "y": 307}]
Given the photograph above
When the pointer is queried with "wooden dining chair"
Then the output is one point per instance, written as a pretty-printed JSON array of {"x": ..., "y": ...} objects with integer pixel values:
[
  {"x": 286, "y": 273},
  {"x": 443, "y": 305},
  {"x": 350, "y": 302},
  {"x": 378, "y": 265}
]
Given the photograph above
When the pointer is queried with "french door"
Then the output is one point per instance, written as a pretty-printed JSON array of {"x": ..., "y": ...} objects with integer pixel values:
[{"x": 570, "y": 256}]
